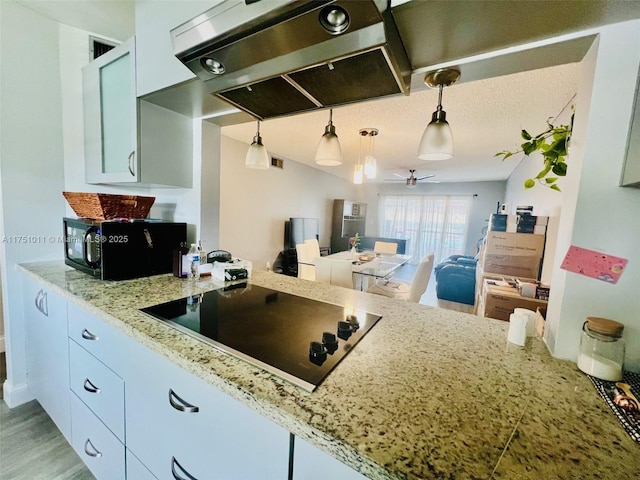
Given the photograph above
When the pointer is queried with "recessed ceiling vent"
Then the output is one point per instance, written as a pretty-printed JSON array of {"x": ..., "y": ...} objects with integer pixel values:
[
  {"x": 280, "y": 57},
  {"x": 99, "y": 46}
]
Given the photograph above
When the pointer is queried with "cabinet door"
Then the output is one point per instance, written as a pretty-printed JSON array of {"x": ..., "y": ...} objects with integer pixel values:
[
  {"x": 110, "y": 116},
  {"x": 311, "y": 463},
  {"x": 98, "y": 448},
  {"x": 47, "y": 352},
  {"x": 181, "y": 427},
  {"x": 135, "y": 469}
]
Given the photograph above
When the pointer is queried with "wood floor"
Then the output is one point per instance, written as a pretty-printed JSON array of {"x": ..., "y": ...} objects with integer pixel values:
[{"x": 32, "y": 447}]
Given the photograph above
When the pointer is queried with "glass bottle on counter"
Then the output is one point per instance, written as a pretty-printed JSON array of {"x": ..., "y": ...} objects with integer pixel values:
[
  {"x": 193, "y": 258},
  {"x": 602, "y": 349}
]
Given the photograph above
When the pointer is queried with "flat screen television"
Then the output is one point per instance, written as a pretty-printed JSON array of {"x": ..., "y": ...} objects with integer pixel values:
[{"x": 298, "y": 229}]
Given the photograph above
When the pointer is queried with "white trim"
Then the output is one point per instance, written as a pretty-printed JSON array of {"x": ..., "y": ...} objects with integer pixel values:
[
  {"x": 16, "y": 395},
  {"x": 2, "y": 348}
]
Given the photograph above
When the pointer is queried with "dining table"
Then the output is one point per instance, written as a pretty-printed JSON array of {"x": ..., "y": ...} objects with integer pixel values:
[{"x": 370, "y": 265}]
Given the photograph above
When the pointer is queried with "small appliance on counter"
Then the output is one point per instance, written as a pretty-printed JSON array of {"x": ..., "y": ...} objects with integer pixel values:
[
  {"x": 236, "y": 269},
  {"x": 122, "y": 249}
]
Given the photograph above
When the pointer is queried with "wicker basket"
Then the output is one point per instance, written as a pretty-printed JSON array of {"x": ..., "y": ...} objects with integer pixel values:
[{"x": 104, "y": 206}]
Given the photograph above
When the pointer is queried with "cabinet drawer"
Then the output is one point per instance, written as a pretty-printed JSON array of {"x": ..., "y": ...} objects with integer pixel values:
[
  {"x": 178, "y": 423},
  {"x": 97, "y": 337},
  {"x": 98, "y": 387},
  {"x": 136, "y": 470},
  {"x": 98, "y": 448}
]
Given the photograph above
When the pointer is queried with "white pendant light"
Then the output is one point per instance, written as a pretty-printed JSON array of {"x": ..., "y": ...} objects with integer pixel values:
[
  {"x": 329, "y": 153},
  {"x": 370, "y": 162},
  {"x": 358, "y": 174},
  {"x": 257, "y": 156},
  {"x": 437, "y": 139}
]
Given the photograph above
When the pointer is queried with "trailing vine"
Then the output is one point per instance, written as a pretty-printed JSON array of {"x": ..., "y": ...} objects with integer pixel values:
[{"x": 553, "y": 144}]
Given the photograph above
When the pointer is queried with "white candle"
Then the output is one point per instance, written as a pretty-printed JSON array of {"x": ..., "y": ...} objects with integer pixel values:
[{"x": 600, "y": 367}]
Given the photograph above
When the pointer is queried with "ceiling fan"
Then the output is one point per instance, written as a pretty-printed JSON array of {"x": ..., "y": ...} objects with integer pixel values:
[{"x": 412, "y": 180}]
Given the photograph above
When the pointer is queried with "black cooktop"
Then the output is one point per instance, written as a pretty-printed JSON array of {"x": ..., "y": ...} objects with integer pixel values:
[{"x": 296, "y": 338}]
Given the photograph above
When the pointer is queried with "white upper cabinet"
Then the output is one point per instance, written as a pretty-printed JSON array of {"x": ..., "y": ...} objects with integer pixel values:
[
  {"x": 128, "y": 140},
  {"x": 157, "y": 66},
  {"x": 110, "y": 116}
]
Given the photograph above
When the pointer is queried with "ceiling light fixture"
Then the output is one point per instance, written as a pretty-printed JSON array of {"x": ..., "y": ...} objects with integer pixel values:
[
  {"x": 437, "y": 139},
  {"x": 358, "y": 171},
  {"x": 257, "y": 156},
  {"x": 370, "y": 162},
  {"x": 329, "y": 153}
]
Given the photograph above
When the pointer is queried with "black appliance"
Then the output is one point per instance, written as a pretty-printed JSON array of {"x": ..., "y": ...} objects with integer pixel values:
[
  {"x": 122, "y": 249},
  {"x": 298, "y": 339}
]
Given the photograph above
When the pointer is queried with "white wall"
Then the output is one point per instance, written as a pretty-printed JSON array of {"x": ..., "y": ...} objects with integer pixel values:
[
  {"x": 605, "y": 218},
  {"x": 488, "y": 194},
  {"x": 31, "y": 164},
  {"x": 254, "y": 204}
]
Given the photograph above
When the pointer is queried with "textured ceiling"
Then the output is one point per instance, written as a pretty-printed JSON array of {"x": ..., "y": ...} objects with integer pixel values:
[{"x": 486, "y": 116}]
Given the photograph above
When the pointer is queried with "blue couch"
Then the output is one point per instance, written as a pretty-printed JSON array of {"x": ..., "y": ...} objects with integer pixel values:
[{"x": 456, "y": 279}]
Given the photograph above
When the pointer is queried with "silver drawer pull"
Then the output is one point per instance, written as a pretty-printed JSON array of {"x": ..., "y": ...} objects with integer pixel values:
[
  {"x": 87, "y": 335},
  {"x": 90, "y": 387},
  {"x": 183, "y": 406},
  {"x": 176, "y": 475},
  {"x": 95, "y": 453}
]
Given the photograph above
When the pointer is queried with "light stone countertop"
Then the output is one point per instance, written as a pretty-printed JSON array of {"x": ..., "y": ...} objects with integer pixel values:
[{"x": 427, "y": 393}]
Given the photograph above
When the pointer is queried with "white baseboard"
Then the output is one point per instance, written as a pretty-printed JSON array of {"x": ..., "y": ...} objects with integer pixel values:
[
  {"x": 16, "y": 395},
  {"x": 2, "y": 343}
]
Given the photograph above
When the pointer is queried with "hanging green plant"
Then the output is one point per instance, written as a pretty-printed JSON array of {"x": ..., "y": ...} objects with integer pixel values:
[{"x": 552, "y": 144}]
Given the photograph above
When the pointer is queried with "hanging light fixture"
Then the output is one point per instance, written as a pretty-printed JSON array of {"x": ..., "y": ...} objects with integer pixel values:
[
  {"x": 257, "y": 156},
  {"x": 329, "y": 153},
  {"x": 437, "y": 139},
  {"x": 370, "y": 162},
  {"x": 358, "y": 171}
]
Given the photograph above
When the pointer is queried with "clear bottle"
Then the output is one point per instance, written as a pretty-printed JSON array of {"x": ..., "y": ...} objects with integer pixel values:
[
  {"x": 602, "y": 349},
  {"x": 193, "y": 258}
]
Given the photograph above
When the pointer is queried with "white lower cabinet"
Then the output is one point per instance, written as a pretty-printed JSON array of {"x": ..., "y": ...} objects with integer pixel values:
[
  {"x": 182, "y": 428},
  {"x": 96, "y": 445},
  {"x": 136, "y": 470},
  {"x": 47, "y": 352},
  {"x": 311, "y": 463}
]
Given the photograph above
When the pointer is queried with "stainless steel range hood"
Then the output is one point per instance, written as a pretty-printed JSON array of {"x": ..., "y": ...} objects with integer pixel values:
[{"x": 273, "y": 58}]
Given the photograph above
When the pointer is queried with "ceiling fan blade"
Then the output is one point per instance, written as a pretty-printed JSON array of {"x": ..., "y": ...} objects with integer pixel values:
[
  {"x": 431, "y": 175},
  {"x": 401, "y": 176}
]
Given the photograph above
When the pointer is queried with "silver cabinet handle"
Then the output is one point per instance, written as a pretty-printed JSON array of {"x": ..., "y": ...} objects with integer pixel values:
[
  {"x": 183, "y": 406},
  {"x": 90, "y": 387},
  {"x": 176, "y": 475},
  {"x": 95, "y": 453},
  {"x": 41, "y": 303},
  {"x": 131, "y": 159},
  {"x": 87, "y": 335}
]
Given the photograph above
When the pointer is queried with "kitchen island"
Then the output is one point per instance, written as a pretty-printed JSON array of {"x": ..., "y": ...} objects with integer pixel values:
[{"x": 428, "y": 393}]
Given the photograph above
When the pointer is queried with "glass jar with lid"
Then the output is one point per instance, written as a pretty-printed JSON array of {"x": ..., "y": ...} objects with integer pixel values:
[{"x": 602, "y": 349}]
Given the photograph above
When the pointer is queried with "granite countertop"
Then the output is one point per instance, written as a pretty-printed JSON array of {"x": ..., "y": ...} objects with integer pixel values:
[{"x": 427, "y": 393}]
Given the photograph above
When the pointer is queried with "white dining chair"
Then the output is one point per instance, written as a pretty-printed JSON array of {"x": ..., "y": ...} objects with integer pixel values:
[
  {"x": 315, "y": 246},
  {"x": 323, "y": 269},
  {"x": 306, "y": 269},
  {"x": 386, "y": 248},
  {"x": 407, "y": 291},
  {"x": 342, "y": 273}
]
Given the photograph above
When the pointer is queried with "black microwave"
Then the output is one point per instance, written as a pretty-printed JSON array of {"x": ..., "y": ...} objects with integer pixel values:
[{"x": 122, "y": 249}]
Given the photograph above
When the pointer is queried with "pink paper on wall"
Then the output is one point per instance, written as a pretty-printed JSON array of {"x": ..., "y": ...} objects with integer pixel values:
[{"x": 590, "y": 263}]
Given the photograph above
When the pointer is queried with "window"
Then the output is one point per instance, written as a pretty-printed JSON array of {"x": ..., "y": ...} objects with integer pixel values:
[{"x": 429, "y": 223}]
